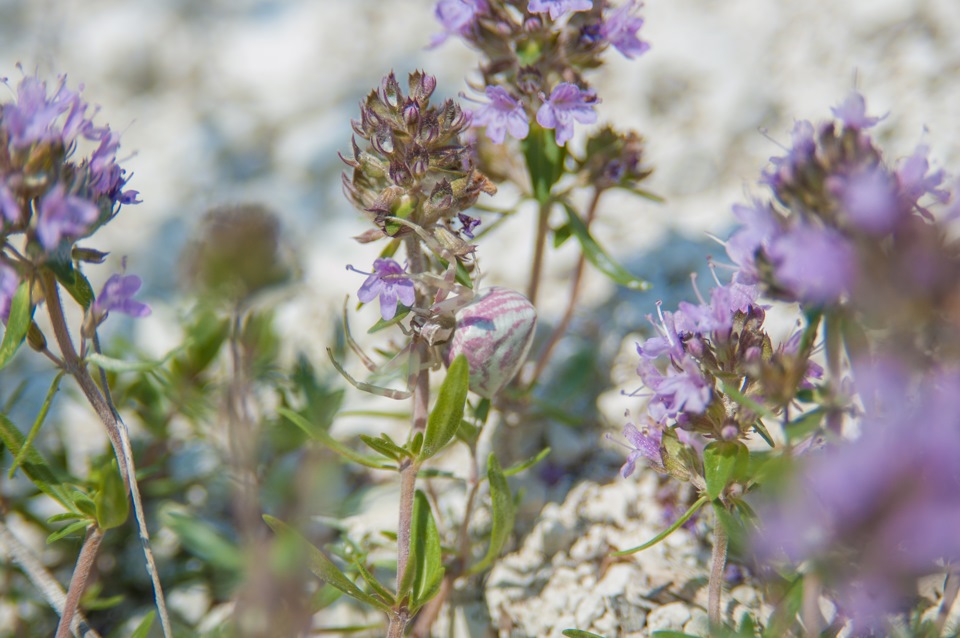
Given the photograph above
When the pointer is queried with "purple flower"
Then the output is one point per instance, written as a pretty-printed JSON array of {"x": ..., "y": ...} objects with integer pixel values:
[
  {"x": 914, "y": 181},
  {"x": 9, "y": 282},
  {"x": 503, "y": 114},
  {"x": 853, "y": 112},
  {"x": 870, "y": 199},
  {"x": 620, "y": 28},
  {"x": 457, "y": 18},
  {"x": 468, "y": 223},
  {"x": 644, "y": 444},
  {"x": 558, "y": 7},
  {"x": 717, "y": 316},
  {"x": 9, "y": 208},
  {"x": 117, "y": 295},
  {"x": 63, "y": 215},
  {"x": 685, "y": 389},
  {"x": 33, "y": 117},
  {"x": 816, "y": 265},
  {"x": 567, "y": 102},
  {"x": 802, "y": 152},
  {"x": 667, "y": 343},
  {"x": 759, "y": 227},
  {"x": 389, "y": 282}
]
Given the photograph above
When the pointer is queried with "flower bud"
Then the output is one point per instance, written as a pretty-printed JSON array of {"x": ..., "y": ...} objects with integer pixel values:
[{"x": 88, "y": 255}]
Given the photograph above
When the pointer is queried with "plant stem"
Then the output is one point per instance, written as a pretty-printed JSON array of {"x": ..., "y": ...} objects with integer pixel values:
[
  {"x": 534, "y": 285},
  {"x": 116, "y": 431},
  {"x": 575, "y": 281},
  {"x": 78, "y": 582},
  {"x": 951, "y": 590},
  {"x": 718, "y": 562},
  {"x": 42, "y": 580},
  {"x": 810, "y": 611}
]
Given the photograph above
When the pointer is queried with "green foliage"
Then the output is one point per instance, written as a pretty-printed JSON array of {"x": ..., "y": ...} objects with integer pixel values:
[
  {"x": 21, "y": 313},
  {"x": 425, "y": 569},
  {"x": 544, "y": 161},
  {"x": 447, "y": 413},
  {"x": 504, "y": 512},
  {"x": 597, "y": 256},
  {"x": 113, "y": 505},
  {"x": 693, "y": 509}
]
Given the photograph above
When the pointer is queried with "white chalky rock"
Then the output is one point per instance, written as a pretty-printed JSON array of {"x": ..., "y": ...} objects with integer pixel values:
[{"x": 669, "y": 617}]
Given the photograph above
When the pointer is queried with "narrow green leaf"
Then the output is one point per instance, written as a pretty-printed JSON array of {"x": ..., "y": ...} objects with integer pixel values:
[
  {"x": 598, "y": 257},
  {"x": 579, "y": 633},
  {"x": 670, "y": 530},
  {"x": 83, "y": 503},
  {"x": 122, "y": 365},
  {"x": 786, "y": 610},
  {"x": 444, "y": 420},
  {"x": 321, "y": 435},
  {"x": 111, "y": 500},
  {"x": 388, "y": 449},
  {"x": 416, "y": 443},
  {"x": 73, "y": 282},
  {"x": 379, "y": 588},
  {"x": 504, "y": 511},
  {"x": 544, "y": 161},
  {"x": 72, "y": 528},
  {"x": 35, "y": 467},
  {"x": 425, "y": 552},
  {"x": 65, "y": 516},
  {"x": 524, "y": 465},
  {"x": 720, "y": 459},
  {"x": 561, "y": 235},
  {"x": 323, "y": 567},
  {"x": 761, "y": 429},
  {"x": 324, "y": 597},
  {"x": 468, "y": 433},
  {"x": 205, "y": 542},
  {"x": 143, "y": 629},
  {"x": 805, "y": 424},
  {"x": 41, "y": 416},
  {"x": 21, "y": 314}
]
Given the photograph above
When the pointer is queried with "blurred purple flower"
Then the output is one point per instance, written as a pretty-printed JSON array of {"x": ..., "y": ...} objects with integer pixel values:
[
  {"x": 457, "y": 17},
  {"x": 117, "y": 295},
  {"x": 853, "y": 112},
  {"x": 717, "y": 316},
  {"x": 390, "y": 283},
  {"x": 870, "y": 199},
  {"x": 816, "y": 265},
  {"x": 759, "y": 227},
  {"x": 667, "y": 343},
  {"x": 620, "y": 28},
  {"x": 9, "y": 208},
  {"x": 644, "y": 444},
  {"x": 33, "y": 117},
  {"x": 803, "y": 150},
  {"x": 63, "y": 215},
  {"x": 558, "y": 7},
  {"x": 567, "y": 102},
  {"x": 914, "y": 180},
  {"x": 9, "y": 282},
  {"x": 501, "y": 115}
]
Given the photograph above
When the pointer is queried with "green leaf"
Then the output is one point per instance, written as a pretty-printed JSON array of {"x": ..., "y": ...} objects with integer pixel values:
[
  {"x": 579, "y": 633},
  {"x": 561, "y": 235},
  {"x": 21, "y": 314},
  {"x": 544, "y": 161},
  {"x": 204, "y": 541},
  {"x": 504, "y": 511},
  {"x": 444, "y": 420},
  {"x": 670, "y": 530},
  {"x": 37, "y": 423},
  {"x": 786, "y": 610},
  {"x": 425, "y": 566},
  {"x": 379, "y": 588},
  {"x": 720, "y": 461},
  {"x": 35, "y": 467},
  {"x": 598, "y": 257},
  {"x": 143, "y": 629},
  {"x": 321, "y": 435},
  {"x": 73, "y": 281},
  {"x": 72, "y": 528},
  {"x": 323, "y": 567},
  {"x": 805, "y": 424},
  {"x": 324, "y": 597},
  {"x": 383, "y": 445},
  {"x": 524, "y": 465},
  {"x": 122, "y": 365},
  {"x": 468, "y": 433},
  {"x": 111, "y": 500}
]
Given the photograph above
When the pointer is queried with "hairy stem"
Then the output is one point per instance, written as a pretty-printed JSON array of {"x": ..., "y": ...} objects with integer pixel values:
[
  {"x": 116, "y": 432},
  {"x": 42, "y": 580},
  {"x": 78, "y": 582},
  {"x": 718, "y": 562},
  {"x": 575, "y": 281},
  {"x": 534, "y": 286},
  {"x": 810, "y": 610}
]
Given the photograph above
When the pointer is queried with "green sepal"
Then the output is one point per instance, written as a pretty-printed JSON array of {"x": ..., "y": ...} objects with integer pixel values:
[
  {"x": 18, "y": 322},
  {"x": 504, "y": 511},
  {"x": 444, "y": 420}
]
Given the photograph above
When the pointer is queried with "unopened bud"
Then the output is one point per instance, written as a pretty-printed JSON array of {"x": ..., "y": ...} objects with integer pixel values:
[
  {"x": 88, "y": 255},
  {"x": 411, "y": 112},
  {"x": 35, "y": 337}
]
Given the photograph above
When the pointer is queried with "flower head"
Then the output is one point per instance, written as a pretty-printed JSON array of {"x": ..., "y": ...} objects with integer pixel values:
[
  {"x": 815, "y": 265},
  {"x": 457, "y": 17},
  {"x": 567, "y": 103},
  {"x": 501, "y": 115},
  {"x": 620, "y": 28},
  {"x": 63, "y": 215},
  {"x": 34, "y": 117},
  {"x": 389, "y": 282},
  {"x": 9, "y": 281},
  {"x": 853, "y": 112},
  {"x": 117, "y": 295},
  {"x": 870, "y": 199},
  {"x": 557, "y": 8}
]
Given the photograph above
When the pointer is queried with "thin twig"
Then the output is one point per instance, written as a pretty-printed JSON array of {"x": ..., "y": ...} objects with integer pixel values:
[
  {"x": 534, "y": 285},
  {"x": 43, "y": 580},
  {"x": 78, "y": 582},
  {"x": 116, "y": 432},
  {"x": 718, "y": 561}
]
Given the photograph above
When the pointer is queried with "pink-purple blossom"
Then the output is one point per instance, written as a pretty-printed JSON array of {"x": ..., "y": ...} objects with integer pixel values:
[
  {"x": 390, "y": 283},
  {"x": 457, "y": 17},
  {"x": 9, "y": 208},
  {"x": 558, "y": 8},
  {"x": 620, "y": 27},
  {"x": 62, "y": 215},
  {"x": 853, "y": 112},
  {"x": 9, "y": 282},
  {"x": 35, "y": 117},
  {"x": 567, "y": 103},
  {"x": 869, "y": 199},
  {"x": 645, "y": 444},
  {"x": 815, "y": 265},
  {"x": 502, "y": 115},
  {"x": 117, "y": 296}
]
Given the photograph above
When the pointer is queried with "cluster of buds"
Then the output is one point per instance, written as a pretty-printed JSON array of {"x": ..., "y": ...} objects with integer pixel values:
[{"x": 415, "y": 166}]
